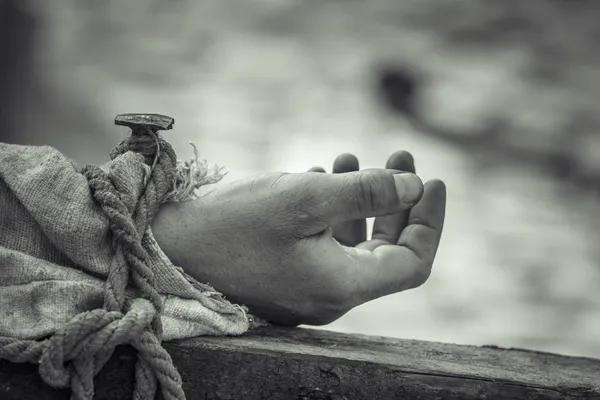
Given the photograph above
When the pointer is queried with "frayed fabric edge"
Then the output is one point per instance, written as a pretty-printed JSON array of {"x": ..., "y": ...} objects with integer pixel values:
[{"x": 253, "y": 321}]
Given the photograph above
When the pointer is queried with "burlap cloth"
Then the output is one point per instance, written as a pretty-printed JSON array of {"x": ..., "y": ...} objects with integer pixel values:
[{"x": 55, "y": 251}]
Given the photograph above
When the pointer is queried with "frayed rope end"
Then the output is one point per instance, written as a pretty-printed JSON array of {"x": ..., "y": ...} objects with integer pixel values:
[{"x": 191, "y": 175}]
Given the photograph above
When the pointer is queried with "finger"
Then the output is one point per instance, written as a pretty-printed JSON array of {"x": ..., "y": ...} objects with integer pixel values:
[
  {"x": 317, "y": 169},
  {"x": 425, "y": 222},
  {"x": 349, "y": 233},
  {"x": 333, "y": 198},
  {"x": 394, "y": 268},
  {"x": 345, "y": 163},
  {"x": 387, "y": 229}
]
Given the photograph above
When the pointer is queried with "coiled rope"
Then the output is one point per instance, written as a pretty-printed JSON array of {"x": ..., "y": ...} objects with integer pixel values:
[{"x": 77, "y": 352}]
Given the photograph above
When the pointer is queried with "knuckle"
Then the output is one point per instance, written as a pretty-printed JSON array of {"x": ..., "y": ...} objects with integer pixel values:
[
  {"x": 372, "y": 191},
  {"x": 364, "y": 192},
  {"x": 295, "y": 189}
]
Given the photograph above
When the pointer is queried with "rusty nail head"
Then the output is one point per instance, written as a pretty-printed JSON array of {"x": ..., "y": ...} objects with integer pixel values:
[{"x": 137, "y": 122}]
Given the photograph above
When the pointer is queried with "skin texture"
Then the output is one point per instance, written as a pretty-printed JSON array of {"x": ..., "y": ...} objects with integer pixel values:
[{"x": 293, "y": 248}]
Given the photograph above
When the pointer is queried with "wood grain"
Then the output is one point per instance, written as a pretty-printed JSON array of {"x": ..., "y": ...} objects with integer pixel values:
[{"x": 296, "y": 363}]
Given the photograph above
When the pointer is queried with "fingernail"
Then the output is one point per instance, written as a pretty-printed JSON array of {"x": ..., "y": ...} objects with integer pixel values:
[{"x": 409, "y": 187}]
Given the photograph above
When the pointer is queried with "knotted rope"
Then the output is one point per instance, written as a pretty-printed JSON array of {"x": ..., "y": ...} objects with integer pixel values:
[{"x": 76, "y": 353}]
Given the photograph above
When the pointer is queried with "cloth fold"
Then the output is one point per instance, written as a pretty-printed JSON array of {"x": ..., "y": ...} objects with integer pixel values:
[{"x": 56, "y": 249}]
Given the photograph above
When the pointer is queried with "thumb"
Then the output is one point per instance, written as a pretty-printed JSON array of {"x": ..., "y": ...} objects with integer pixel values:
[{"x": 362, "y": 194}]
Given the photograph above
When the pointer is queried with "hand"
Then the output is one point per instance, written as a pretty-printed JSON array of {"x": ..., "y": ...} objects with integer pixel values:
[{"x": 269, "y": 242}]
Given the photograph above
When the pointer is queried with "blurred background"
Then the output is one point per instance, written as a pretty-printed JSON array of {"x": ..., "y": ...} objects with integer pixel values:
[{"x": 497, "y": 98}]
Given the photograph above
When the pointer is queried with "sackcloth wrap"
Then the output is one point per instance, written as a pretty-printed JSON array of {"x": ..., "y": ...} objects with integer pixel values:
[{"x": 80, "y": 271}]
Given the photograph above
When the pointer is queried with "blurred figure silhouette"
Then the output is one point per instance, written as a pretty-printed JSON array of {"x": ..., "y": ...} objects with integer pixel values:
[{"x": 398, "y": 89}]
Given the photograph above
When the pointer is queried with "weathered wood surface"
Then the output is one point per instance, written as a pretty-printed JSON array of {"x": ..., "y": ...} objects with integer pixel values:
[{"x": 295, "y": 363}]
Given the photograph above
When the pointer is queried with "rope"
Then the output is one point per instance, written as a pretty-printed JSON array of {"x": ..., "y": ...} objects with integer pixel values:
[{"x": 76, "y": 353}]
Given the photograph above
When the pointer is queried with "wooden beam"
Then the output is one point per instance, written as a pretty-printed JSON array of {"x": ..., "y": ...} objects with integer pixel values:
[{"x": 296, "y": 363}]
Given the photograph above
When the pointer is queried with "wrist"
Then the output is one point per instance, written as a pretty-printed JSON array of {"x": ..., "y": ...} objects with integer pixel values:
[{"x": 175, "y": 229}]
